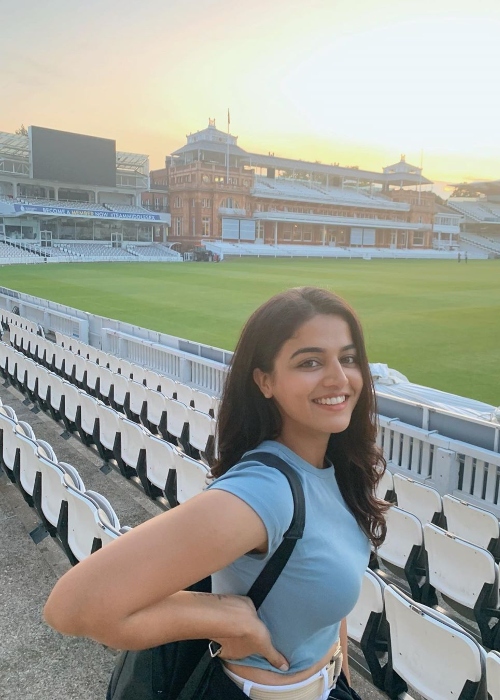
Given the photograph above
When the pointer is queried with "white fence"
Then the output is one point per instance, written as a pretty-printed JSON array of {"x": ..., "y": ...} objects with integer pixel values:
[{"x": 452, "y": 453}]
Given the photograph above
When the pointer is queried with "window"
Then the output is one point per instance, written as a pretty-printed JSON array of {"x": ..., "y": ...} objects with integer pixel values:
[
  {"x": 219, "y": 179},
  {"x": 193, "y": 226},
  {"x": 232, "y": 181},
  {"x": 230, "y": 203},
  {"x": 297, "y": 232},
  {"x": 206, "y": 203},
  {"x": 418, "y": 238},
  {"x": 205, "y": 226},
  {"x": 177, "y": 226},
  {"x": 259, "y": 229},
  {"x": 307, "y": 233},
  {"x": 177, "y": 202}
]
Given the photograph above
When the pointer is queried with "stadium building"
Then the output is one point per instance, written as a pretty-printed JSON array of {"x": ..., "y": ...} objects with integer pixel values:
[
  {"x": 74, "y": 194},
  {"x": 478, "y": 203},
  {"x": 221, "y": 192}
]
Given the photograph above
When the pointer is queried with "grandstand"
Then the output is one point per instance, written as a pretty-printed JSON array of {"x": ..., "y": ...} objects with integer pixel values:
[
  {"x": 431, "y": 593},
  {"x": 222, "y": 193},
  {"x": 66, "y": 191},
  {"x": 479, "y": 203}
]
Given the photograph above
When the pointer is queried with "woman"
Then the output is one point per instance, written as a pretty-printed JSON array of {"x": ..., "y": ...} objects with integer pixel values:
[{"x": 299, "y": 387}]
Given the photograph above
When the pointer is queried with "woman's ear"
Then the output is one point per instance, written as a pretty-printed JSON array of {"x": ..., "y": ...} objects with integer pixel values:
[{"x": 263, "y": 381}]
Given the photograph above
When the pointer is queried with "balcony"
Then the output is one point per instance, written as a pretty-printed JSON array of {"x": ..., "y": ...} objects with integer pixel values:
[{"x": 227, "y": 211}]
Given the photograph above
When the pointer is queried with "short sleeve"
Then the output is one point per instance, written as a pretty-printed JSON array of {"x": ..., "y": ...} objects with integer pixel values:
[{"x": 267, "y": 491}]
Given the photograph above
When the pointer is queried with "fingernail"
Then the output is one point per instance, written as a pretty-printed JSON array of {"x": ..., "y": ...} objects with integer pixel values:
[{"x": 285, "y": 667}]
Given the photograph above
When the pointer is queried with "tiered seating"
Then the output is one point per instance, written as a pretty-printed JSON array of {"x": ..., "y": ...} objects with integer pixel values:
[
  {"x": 9, "y": 252},
  {"x": 81, "y": 521},
  {"x": 129, "y": 422},
  {"x": 475, "y": 210},
  {"x": 305, "y": 191},
  {"x": 126, "y": 208},
  {"x": 93, "y": 250},
  {"x": 7, "y": 318},
  {"x": 154, "y": 251}
]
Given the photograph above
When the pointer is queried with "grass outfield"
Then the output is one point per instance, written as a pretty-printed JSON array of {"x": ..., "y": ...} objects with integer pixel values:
[{"x": 438, "y": 322}]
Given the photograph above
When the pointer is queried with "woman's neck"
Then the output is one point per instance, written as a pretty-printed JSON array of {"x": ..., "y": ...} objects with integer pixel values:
[{"x": 311, "y": 448}]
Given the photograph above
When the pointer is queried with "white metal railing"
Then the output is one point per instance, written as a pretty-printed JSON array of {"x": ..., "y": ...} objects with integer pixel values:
[{"x": 450, "y": 466}]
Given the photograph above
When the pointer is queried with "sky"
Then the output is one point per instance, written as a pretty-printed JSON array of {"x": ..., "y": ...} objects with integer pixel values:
[{"x": 354, "y": 82}]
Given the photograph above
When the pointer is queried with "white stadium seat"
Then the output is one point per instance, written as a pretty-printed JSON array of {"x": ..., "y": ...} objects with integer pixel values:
[
  {"x": 156, "y": 411},
  {"x": 430, "y": 653},
  {"x": 109, "y": 428},
  {"x": 403, "y": 551},
  {"x": 183, "y": 393},
  {"x": 204, "y": 402},
  {"x": 25, "y": 465},
  {"x": 187, "y": 479},
  {"x": 132, "y": 450},
  {"x": 137, "y": 393},
  {"x": 466, "y": 576},
  {"x": 178, "y": 423},
  {"x": 153, "y": 472},
  {"x": 365, "y": 624},
  {"x": 105, "y": 383},
  {"x": 201, "y": 435},
  {"x": 419, "y": 499},
  {"x": 119, "y": 391},
  {"x": 472, "y": 523},
  {"x": 8, "y": 423},
  {"x": 92, "y": 378},
  {"x": 70, "y": 407},
  {"x": 87, "y": 425},
  {"x": 493, "y": 675}
]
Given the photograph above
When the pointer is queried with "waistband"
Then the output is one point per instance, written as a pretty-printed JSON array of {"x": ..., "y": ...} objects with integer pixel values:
[{"x": 317, "y": 687}]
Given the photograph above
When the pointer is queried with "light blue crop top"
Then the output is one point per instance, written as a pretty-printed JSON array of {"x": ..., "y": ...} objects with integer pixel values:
[{"x": 321, "y": 582}]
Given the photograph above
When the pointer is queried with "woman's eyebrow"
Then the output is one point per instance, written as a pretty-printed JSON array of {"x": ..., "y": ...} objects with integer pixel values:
[{"x": 301, "y": 351}]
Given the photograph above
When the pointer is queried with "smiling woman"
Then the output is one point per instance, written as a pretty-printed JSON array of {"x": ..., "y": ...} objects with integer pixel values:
[{"x": 299, "y": 389}]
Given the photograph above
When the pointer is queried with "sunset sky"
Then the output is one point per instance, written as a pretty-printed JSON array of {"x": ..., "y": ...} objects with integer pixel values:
[{"x": 351, "y": 81}]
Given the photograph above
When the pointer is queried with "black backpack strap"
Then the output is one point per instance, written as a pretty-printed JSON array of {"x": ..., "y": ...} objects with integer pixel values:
[{"x": 271, "y": 571}]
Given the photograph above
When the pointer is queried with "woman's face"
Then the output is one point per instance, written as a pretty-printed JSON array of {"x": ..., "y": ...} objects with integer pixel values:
[{"x": 316, "y": 380}]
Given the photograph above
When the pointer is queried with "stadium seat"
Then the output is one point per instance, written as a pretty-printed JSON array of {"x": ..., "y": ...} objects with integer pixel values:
[
  {"x": 49, "y": 492},
  {"x": 466, "y": 576},
  {"x": 56, "y": 391},
  {"x": 110, "y": 516},
  {"x": 109, "y": 437},
  {"x": 153, "y": 379},
  {"x": 87, "y": 424},
  {"x": 32, "y": 372},
  {"x": 105, "y": 383},
  {"x": 201, "y": 436},
  {"x": 153, "y": 471},
  {"x": 69, "y": 366},
  {"x": 403, "y": 551},
  {"x": 45, "y": 377},
  {"x": 178, "y": 424},
  {"x": 422, "y": 501},
  {"x": 493, "y": 675},
  {"x": 113, "y": 363},
  {"x": 367, "y": 627},
  {"x": 155, "y": 416},
  {"x": 126, "y": 368},
  {"x": 58, "y": 359},
  {"x": 8, "y": 424},
  {"x": 4, "y": 353},
  {"x": 134, "y": 404},
  {"x": 21, "y": 370},
  {"x": 132, "y": 451},
  {"x": 92, "y": 378},
  {"x": 138, "y": 374},
  {"x": 70, "y": 406},
  {"x": 188, "y": 478},
  {"x": 118, "y": 395},
  {"x": 431, "y": 653},
  {"x": 472, "y": 524},
  {"x": 204, "y": 402},
  {"x": 80, "y": 377},
  {"x": 167, "y": 386},
  {"x": 80, "y": 529},
  {"x": 25, "y": 464},
  {"x": 183, "y": 393}
]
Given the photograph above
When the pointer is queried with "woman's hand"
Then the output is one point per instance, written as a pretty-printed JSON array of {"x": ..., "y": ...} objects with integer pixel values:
[{"x": 255, "y": 640}]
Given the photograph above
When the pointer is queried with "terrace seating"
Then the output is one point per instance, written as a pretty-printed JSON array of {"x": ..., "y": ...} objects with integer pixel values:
[
  {"x": 466, "y": 576},
  {"x": 449, "y": 662}
]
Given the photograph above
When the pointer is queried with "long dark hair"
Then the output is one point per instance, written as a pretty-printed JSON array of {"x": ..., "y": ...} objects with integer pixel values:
[{"x": 246, "y": 418}]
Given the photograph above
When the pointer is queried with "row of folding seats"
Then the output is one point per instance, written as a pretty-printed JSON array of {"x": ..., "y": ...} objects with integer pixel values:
[
  {"x": 434, "y": 561},
  {"x": 408, "y": 647},
  {"x": 9, "y": 319},
  {"x": 192, "y": 429},
  {"x": 465, "y": 520},
  {"x": 162, "y": 469},
  {"x": 170, "y": 387},
  {"x": 86, "y": 364},
  {"x": 81, "y": 520}
]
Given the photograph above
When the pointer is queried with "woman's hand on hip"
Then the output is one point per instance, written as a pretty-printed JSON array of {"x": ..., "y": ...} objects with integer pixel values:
[{"x": 256, "y": 639}]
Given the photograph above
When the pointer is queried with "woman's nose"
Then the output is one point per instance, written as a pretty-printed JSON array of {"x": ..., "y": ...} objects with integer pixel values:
[{"x": 335, "y": 375}]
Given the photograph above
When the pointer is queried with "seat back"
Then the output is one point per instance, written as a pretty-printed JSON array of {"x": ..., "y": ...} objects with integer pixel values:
[
  {"x": 370, "y": 602},
  {"x": 404, "y": 531},
  {"x": 431, "y": 653},
  {"x": 52, "y": 489},
  {"x": 419, "y": 499},
  {"x": 157, "y": 404},
  {"x": 459, "y": 569},
  {"x": 109, "y": 425},
  {"x": 159, "y": 460},
  {"x": 184, "y": 393},
  {"x": 88, "y": 413},
  {"x": 138, "y": 393},
  {"x": 203, "y": 402},
  {"x": 191, "y": 476},
  {"x": 470, "y": 522}
]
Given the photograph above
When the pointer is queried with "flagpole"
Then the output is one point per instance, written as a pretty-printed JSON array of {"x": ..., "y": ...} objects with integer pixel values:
[{"x": 227, "y": 148}]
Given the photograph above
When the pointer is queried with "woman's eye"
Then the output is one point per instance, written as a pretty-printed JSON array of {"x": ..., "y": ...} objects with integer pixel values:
[
  {"x": 349, "y": 360},
  {"x": 310, "y": 363}
]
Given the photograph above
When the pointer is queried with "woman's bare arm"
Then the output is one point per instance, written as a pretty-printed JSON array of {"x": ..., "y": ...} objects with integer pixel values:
[{"x": 130, "y": 594}]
